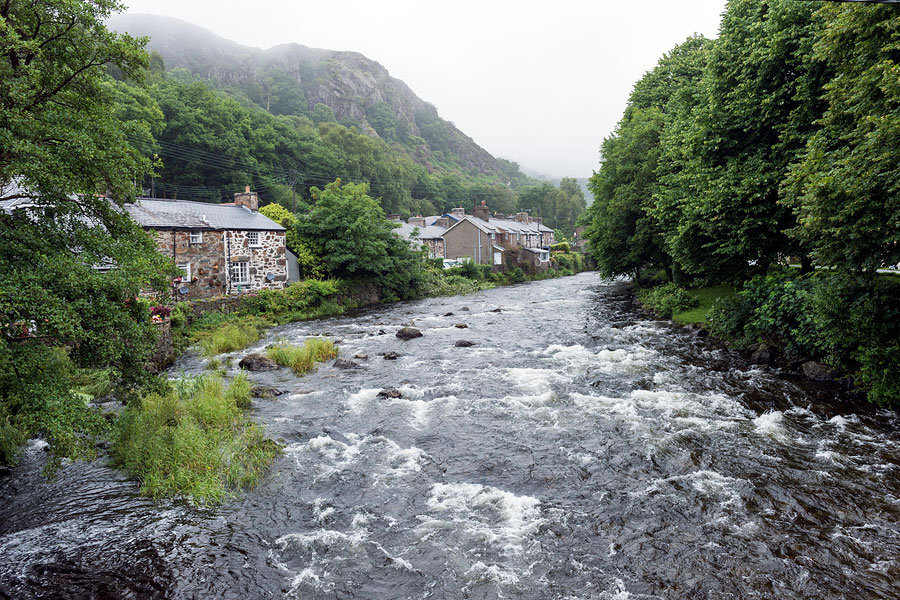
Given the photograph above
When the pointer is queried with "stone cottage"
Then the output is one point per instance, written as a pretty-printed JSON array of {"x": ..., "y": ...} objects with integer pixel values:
[{"x": 219, "y": 248}]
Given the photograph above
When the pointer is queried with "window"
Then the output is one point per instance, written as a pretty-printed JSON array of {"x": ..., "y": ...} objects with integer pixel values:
[
  {"x": 253, "y": 237},
  {"x": 196, "y": 237},
  {"x": 185, "y": 269},
  {"x": 240, "y": 273}
]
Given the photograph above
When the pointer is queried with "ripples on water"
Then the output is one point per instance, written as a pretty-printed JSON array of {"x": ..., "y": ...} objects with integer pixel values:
[{"x": 577, "y": 451}]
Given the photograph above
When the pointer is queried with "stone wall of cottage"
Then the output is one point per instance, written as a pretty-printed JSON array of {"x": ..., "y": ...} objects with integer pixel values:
[
  {"x": 435, "y": 248},
  {"x": 206, "y": 260},
  {"x": 268, "y": 257}
]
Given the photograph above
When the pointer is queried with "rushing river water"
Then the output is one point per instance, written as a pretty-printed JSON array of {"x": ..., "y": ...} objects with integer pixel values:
[{"x": 577, "y": 451}]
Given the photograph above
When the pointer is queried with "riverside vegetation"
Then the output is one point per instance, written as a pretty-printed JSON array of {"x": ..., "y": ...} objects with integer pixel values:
[{"x": 762, "y": 167}]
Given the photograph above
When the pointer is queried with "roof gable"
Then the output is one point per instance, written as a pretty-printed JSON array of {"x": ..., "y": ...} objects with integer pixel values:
[{"x": 161, "y": 214}]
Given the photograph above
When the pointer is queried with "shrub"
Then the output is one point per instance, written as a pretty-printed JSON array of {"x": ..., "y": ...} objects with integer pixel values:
[
  {"x": 667, "y": 299},
  {"x": 302, "y": 359},
  {"x": 192, "y": 439},
  {"x": 560, "y": 247}
]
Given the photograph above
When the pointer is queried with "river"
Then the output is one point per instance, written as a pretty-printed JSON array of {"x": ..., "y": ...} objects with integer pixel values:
[{"x": 579, "y": 450}]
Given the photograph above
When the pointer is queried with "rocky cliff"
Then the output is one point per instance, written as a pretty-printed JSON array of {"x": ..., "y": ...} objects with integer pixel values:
[{"x": 295, "y": 79}]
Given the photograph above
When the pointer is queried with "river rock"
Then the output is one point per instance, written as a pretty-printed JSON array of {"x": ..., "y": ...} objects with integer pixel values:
[
  {"x": 461, "y": 326},
  {"x": 266, "y": 391},
  {"x": 497, "y": 310},
  {"x": 257, "y": 362},
  {"x": 343, "y": 363},
  {"x": 408, "y": 333},
  {"x": 464, "y": 308},
  {"x": 390, "y": 393},
  {"x": 463, "y": 343},
  {"x": 449, "y": 314},
  {"x": 361, "y": 356},
  {"x": 762, "y": 355},
  {"x": 390, "y": 356},
  {"x": 817, "y": 371}
]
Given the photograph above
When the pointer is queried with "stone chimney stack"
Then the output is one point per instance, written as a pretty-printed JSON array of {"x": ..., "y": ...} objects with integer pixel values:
[
  {"x": 482, "y": 212},
  {"x": 418, "y": 221},
  {"x": 247, "y": 199},
  {"x": 522, "y": 217},
  {"x": 458, "y": 212}
]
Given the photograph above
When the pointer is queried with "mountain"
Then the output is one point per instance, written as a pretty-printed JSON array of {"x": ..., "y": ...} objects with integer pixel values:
[{"x": 292, "y": 79}]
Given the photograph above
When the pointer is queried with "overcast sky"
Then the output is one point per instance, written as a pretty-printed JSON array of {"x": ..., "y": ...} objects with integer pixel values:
[{"x": 538, "y": 82}]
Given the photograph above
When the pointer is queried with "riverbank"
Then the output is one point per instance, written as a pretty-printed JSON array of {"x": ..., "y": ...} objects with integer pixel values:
[{"x": 824, "y": 326}]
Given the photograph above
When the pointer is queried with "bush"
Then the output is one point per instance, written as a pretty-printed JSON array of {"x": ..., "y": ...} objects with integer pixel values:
[
  {"x": 667, "y": 299},
  {"x": 560, "y": 247},
  {"x": 192, "y": 439},
  {"x": 302, "y": 359}
]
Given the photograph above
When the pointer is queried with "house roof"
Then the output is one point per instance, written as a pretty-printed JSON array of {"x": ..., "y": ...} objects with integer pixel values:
[
  {"x": 161, "y": 214},
  {"x": 430, "y": 232},
  {"x": 479, "y": 223}
]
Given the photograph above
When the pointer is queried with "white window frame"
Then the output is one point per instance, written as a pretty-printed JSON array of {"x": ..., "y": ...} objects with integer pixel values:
[
  {"x": 241, "y": 270},
  {"x": 196, "y": 237},
  {"x": 250, "y": 236},
  {"x": 185, "y": 268}
]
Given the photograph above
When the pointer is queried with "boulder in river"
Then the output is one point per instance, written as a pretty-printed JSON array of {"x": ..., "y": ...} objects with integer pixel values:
[
  {"x": 461, "y": 326},
  {"x": 464, "y": 308},
  {"x": 343, "y": 363},
  {"x": 390, "y": 393},
  {"x": 390, "y": 356},
  {"x": 408, "y": 333},
  {"x": 762, "y": 355},
  {"x": 817, "y": 371},
  {"x": 497, "y": 310},
  {"x": 257, "y": 362},
  {"x": 449, "y": 314},
  {"x": 464, "y": 343},
  {"x": 266, "y": 391},
  {"x": 361, "y": 356}
]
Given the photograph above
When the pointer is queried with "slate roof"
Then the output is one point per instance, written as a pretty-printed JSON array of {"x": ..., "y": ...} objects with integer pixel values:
[
  {"x": 430, "y": 232},
  {"x": 160, "y": 214}
]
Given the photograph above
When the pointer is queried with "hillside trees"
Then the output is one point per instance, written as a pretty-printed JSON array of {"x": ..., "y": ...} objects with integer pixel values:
[{"x": 58, "y": 138}]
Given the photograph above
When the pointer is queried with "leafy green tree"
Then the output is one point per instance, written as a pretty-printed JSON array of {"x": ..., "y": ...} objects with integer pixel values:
[
  {"x": 348, "y": 231},
  {"x": 847, "y": 183},
  {"x": 311, "y": 266},
  {"x": 63, "y": 150}
]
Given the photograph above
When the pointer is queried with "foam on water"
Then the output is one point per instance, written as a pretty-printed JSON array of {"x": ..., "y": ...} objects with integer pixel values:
[{"x": 379, "y": 457}]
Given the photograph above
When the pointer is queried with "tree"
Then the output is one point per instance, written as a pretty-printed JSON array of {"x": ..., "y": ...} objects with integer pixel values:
[
  {"x": 347, "y": 230},
  {"x": 847, "y": 183},
  {"x": 311, "y": 266},
  {"x": 64, "y": 151}
]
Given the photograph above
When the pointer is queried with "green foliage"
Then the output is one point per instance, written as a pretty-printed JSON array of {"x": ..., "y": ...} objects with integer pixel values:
[
  {"x": 667, "y": 299},
  {"x": 192, "y": 440},
  {"x": 230, "y": 337},
  {"x": 561, "y": 247},
  {"x": 61, "y": 147},
  {"x": 302, "y": 359}
]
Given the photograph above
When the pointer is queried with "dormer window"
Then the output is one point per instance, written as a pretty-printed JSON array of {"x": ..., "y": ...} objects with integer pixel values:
[
  {"x": 253, "y": 239},
  {"x": 196, "y": 237}
]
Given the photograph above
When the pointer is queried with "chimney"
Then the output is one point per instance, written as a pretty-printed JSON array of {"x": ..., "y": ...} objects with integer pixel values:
[
  {"x": 247, "y": 199},
  {"x": 443, "y": 222},
  {"x": 522, "y": 217},
  {"x": 392, "y": 217},
  {"x": 418, "y": 221},
  {"x": 482, "y": 212},
  {"x": 458, "y": 212}
]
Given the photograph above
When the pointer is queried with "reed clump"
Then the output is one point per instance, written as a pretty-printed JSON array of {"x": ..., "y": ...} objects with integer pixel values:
[{"x": 302, "y": 359}]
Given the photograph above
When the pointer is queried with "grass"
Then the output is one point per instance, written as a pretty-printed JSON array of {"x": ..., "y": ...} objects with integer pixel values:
[
  {"x": 230, "y": 336},
  {"x": 302, "y": 359},
  {"x": 193, "y": 440},
  {"x": 706, "y": 297}
]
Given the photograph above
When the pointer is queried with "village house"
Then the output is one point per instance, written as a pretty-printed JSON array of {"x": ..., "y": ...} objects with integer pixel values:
[
  {"x": 220, "y": 248},
  {"x": 485, "y": 239}
]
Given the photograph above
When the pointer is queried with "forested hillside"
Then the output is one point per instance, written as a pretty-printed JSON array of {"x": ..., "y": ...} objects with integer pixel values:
[{"x": 220, "y": 115}]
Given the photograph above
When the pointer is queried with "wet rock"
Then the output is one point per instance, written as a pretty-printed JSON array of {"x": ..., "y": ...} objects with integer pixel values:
[
  {"x": 390, "y": 356},
  {"x": 361, "y": 356},
  {"x": 390, "y": 393},
  {"x": 303, "y": 392},
  {"x": 817, "y": 371},
  {"x": 449, "y": 314},
  {"x": 266, "y": 391},
  {"x": 464, "y": 343},
  {"x": 343, "y": 363},
  {"x": 762, "y": 355},
  {"x": 382, "y": 332},
  {"x": 464, "y": 308},
  {"x": 702, "y": 333},
  {"x": 409, "y": 333},
  {"x": 461, "y": 326},
  {"x": 497, "y": 310},
  {"x": 257, "y": 362}
]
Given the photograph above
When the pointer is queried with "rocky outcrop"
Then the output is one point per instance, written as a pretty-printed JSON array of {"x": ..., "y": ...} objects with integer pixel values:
[
  {"x": 266, "y": 391},
  {"x": 257, "y": 362},
  {"x": 461, "y": 326},
  {"x": 817, "y": 371},
  {"x": 343, "y": 363},
  {"x": 390, "y": 356},
  {"x": 389, "y": 393},
  {"x": 763, "y": 354},
  {"x": 464, "y": 343}
]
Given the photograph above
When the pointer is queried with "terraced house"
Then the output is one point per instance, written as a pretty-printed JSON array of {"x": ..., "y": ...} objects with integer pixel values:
[{"x": 220, "y": 248}]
